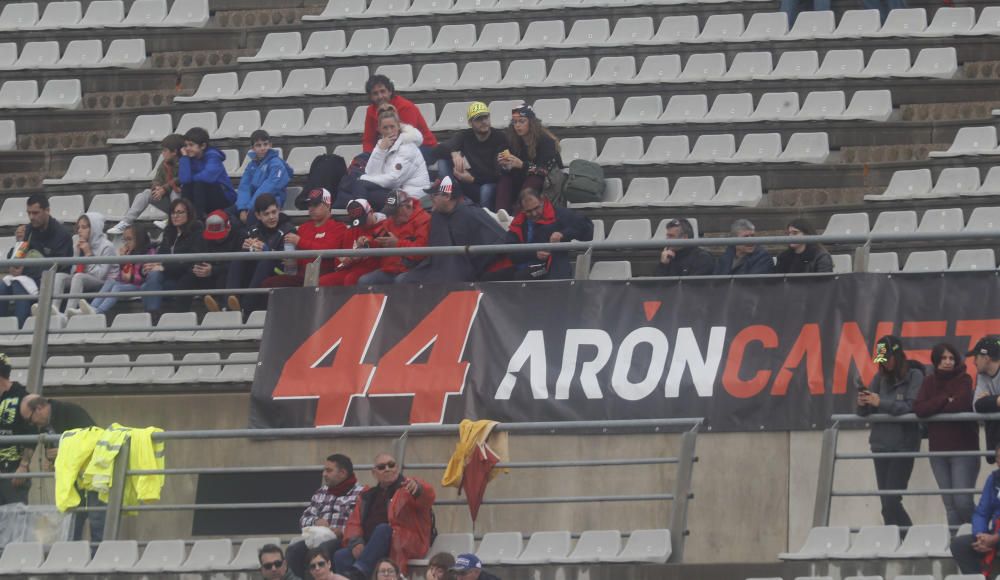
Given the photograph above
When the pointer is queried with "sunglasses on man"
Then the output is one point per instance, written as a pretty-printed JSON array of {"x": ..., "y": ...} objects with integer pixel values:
[
  {"x": 386, "y": 465},
  {"x": 272, "y": 565}
]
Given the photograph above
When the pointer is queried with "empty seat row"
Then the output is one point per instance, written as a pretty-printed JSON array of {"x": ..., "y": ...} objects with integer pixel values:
[
  {"x": 664, "y": 149},
  {"x": 122, "y": 556},
  {"x": 122, "y": 52},
  {"x": 138, "y": 327},
  {"x": 897, "y": 577},
  {"x": 873, "y": 105},
  {"x": 94, "y": 169},
  {"x": 982, "y": 219},
  {"x": 952, "y": 182},
  {"x": 210, "y": 368},
  {"x": 834, "y": 542},
  {"x": 762, "y": 26},
  {"x": 56, "y": 94},
  {"x": 509, "y": 548},
  {"x": 344, "y": 9},
  {"x": 688, "y": 191},
  {"x": 972, "y": 141},
  {"x": 104, "y": 14},
  {"x": 932, "y": 261},
  {"x": 884, "y": 63}
]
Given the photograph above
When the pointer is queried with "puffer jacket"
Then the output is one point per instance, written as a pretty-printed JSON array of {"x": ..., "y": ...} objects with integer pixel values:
[
  {"x": 269, "y": 175},
  {"x": 400, "y": 167},
  {"x": 209, "y": 168}
]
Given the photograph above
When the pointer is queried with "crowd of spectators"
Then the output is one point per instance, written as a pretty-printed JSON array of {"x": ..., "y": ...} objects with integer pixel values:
[{"x": 406, "y": 190}]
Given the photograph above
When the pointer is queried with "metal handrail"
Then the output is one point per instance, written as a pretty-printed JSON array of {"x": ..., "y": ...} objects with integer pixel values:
[
  {"x": 679, "y": 496},
  {"x": 829, "y": 457}
]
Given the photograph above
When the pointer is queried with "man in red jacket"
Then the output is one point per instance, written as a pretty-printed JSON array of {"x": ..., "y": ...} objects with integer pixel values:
[
  {"x": 394, "y": 519},
  {"x": 408, "y": 226},
  {"x": 320, "y": 233},
  {"x": 366, "y": 227},
  {"x": 381, "y": 91}
]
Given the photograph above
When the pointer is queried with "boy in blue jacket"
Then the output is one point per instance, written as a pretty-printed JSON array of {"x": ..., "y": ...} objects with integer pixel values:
[
  {"x": 203, "y": 176},
  {"x": 975, "y": 552},
  {"x": 266, "y": 173}
]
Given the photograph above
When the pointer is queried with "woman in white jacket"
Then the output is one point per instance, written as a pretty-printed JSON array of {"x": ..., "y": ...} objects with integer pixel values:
[
  {"x": 395, "y": 163},
  {"x": 89, "y": 241}
]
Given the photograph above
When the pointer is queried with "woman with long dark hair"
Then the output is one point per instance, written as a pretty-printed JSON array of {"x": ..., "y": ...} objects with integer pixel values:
[
  {"x": 949, "y": 390},
  {"x": 892, "y": 391},
  {"x": 534, "y": 151},
  {"x": 182, "y": 236},
  {"x": 803, "y": 258}
]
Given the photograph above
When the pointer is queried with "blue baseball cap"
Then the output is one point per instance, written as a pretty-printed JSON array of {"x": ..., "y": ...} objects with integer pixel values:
[{"x": 466, "y": 562}]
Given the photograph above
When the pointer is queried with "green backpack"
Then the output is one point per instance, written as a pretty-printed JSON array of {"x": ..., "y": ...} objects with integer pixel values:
[{"x": 584, "y": 183}]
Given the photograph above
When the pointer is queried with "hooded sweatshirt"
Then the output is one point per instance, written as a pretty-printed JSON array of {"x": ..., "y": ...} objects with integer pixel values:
[
  {"x": 100, "y": 245},
  {"x": 267, "y": 175},
  {"x": 209, "y": 168}
]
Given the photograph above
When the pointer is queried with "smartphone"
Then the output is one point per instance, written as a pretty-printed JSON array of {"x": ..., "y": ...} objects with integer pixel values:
[{"x": 861, "y": 386}]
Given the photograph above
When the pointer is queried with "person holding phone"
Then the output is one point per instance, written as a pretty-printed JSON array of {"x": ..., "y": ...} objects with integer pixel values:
[{"x": 892, "y": 391}]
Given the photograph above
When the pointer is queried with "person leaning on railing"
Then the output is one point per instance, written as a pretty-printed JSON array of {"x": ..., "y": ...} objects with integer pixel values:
[
  {"x": 13, "y": 458},
  {"x": 987, "y": 397},
  {"x": 892, "y": 391},
  {"x": 949, "y": 390},
  {"x": 975, "y": 553}
]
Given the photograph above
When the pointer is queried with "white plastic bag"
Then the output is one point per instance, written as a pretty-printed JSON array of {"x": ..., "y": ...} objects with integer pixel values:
[
  {"x": 24, "y": 523},
  {"x": 316, "y": 535}
]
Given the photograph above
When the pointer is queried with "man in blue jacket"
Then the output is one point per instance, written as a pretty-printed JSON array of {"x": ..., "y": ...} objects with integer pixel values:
[
  {"x": 202, "y": 174},
  {"x": 744, "y": 259},
  {"x": 266, "y": 173},
  {"x": 975, "y": 552}
]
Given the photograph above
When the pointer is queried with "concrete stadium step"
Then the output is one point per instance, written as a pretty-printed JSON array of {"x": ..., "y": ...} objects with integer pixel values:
[{"x": 947, "y": 111}]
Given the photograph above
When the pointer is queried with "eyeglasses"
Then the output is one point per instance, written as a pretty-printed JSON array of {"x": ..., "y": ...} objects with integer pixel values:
[
  {"x": 388, "y": 573},
  {"x": 179, "y": 212},
  {"x": 386, "y": 465},
  {"x": 272, "y": 565},
  {"x": 318, "y": 565}
]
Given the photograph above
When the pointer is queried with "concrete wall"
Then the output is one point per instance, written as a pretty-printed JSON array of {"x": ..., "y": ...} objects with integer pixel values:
[{"x": 754, "y": 492}]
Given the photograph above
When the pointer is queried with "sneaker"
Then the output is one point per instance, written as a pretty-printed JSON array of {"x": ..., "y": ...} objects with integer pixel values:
[
  {"x": 34, "y": 310},
  {"x": 71, "y": 312},
  {"x": 86, "y": 308},
  {"x": 118, "y": 229},
  {"x": 162, "y": 224},
  {"x": 211, "y": 305},
  {"x": 234, "y": 303}
]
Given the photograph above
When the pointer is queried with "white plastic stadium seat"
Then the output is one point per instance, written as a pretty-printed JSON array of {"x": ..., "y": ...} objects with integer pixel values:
[
  {"x": 567, "y": 71},
  {"x": 401, "y": 74},
  {"x": 631, "y": 31},
  {"x": 806, "y": 148},
  {"x": 19, "y": 15},
  {"x": 964, "y": 260},
  {"x": 869, "y": 106},
  {"x": 453, "y": 544},
  {"x": 478, "y": 75},
  {"x": 452, "y": 37},
  {"x": 257, "y": 84},
  {"x": 749, "y": 65},
  {"x": 208, "y": 555},
  {"x": 8, "y": 136},
  {"x": 664, "y": 149},
  {"x": 38, "y": 55},
  {"x": 652, "y": 546},
  {"x": 323, "y": 44},
  {"x": 113, "y": 556},
  {"x": 684, "y": 109},
  {"x": 21, "y": 557},
  {"x": 13, "y": 212},
  {"x": 144, "y": 13},
  {"x": 619, "y": 149},
  {"x": 702, "y": 67},
  {"x": 776, "y": 107},
  {"x": 872, "y": 540},
  {"x": 729, "y": 108},
  {"x": 951, "y": 21},
  {"x": 497, "y": 546},
  {"x": 283, "y": 122},
  {"x": 101, "y": 13},
  {"x": 453, "y": 117},
  {"x": 709, "y": 148},
  {"x": 842, "y": 264},
  {"x": 590, "y": 111},
  {"x": 937, "y": 63},
  {"x": 276, "y": 46},
  {"x": 839, "y": 64},
  {"x": 66, "y": 208},
  {"x": 436, "y": 76},
  {"x": 981, "y": 219},
  {"x": 895, "y": 222},
  {"x": 629, "y": 230},
  {"x": 971, "y": 141},
  {"x": 689, "y": 190},
  {"x": 991, "y": 183},
  {"x": 237, "y": 124},
  {"x": 498, "y": 36},
  {"x": 954, "y": 182},
  {"x": 543, "y": 33},
  {"x": 146, "y": 129},
  {"x": 168, "y": 321},
  {"x": 592, "y": 546},
  {"x": 858, "y": 24},
  {"x": 642, "y": 191},
  {"x": 612, "y": 70},
  {"x": 578, "y": 148},
  {"x": 764, "y": 26},
  {"x": 160, "y": 556},
  {"x": 520, "y": 73},
  {"x": 847, "y": 224},
  {"x": 887, "y": 62},
  {"x": 196, "y": 373},
  {"x": 186, "y": 14},
  {"x": 207, "y": 121},
  {"x": 58, "y": 94},
  {"x": 675, "y": 30},
  {"x": 81, "y": 54},
  {"x": 757, "y": 148},
  {"x": 820, "y": 542},
  {"x": 247, "y": 557},
  {"x": 721, "y": 28},
  {"x": 239, "y": 368},
  {"x": 904, "y": 22},
  {"x": 658, "y": 68},
  {"x": 638, "y": 110},
  {"x": 65, "y": 556},
  {"x": 820, "y": 105},
  {"x": 942, "y": 220},
  {"x": 795, "y": 65},
  {"x": 608, "y": 270},
  {"x": 587, "y": 33},
  {"x": 59, "y": 15},
  {"x": 130, "y": 167},
  {"x": 307, "y": 81},
  {"x": 553, "y": 112},
  {"x": 83, "y": 169},
  {"x": 737, "y": 191},
  {"x": 103, "y": 375},
  {"x": 929, "y": 261},
  {"x": 212, "y": 87}
]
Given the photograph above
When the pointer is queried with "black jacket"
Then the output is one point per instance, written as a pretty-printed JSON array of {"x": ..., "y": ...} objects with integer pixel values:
[
  {"x": 12, "y": 423},
  {"x": 274, "y": 239},
  {"x": 689, "y": 261},
  {"x": 190, "y": 241},
  {"x": 66, "y": 416},
  {"x": 810, "y": 261},
  {"x": 468, "y": 225},
  {"x": 55, "y": 241},
  {"x": 759, "y": 262},
  {"x": 481, "y": 155},
  {"x": 571, "y": 224}
]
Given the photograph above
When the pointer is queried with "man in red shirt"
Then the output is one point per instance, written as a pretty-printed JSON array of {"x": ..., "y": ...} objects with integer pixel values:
[
  {"x": 381, "y": 91},
  {"x": 320, "y": 233},
  {"x": 408, "y": 226},
  {"x": 366, "y": 227}
]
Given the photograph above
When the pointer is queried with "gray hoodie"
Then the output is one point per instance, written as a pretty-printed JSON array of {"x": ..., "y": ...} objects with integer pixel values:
[
  {"x": 100, "y": 245},
  {"x": 895, "y": 399}
]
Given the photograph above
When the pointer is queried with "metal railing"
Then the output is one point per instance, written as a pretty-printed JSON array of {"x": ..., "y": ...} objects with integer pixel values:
[
  {"x": 679, "y": 496},
  {"x": 47, "y": 294},
  {"x": 829, "y": 456}
]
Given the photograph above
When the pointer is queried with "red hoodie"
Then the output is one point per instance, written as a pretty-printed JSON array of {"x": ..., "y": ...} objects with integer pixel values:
[
  {"x": 412, "y": 234},
  {"x": 408, "y": 113}
]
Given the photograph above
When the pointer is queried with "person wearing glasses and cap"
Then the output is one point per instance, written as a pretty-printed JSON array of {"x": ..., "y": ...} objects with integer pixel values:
[
  {"x": 892, "y": 391},
  {"x": 407, "y": 226},
  {"x": 393, "y": 519},
  {"x": 273, "y": 565},
  {"x": 986, "y": 399},
  {"x": 534, "y": 151},
  {"x": 473, "y": 153}
]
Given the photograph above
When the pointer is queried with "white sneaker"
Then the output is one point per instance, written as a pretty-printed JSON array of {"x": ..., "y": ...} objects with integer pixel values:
[
  {"x": 118, "y": 229},
  {"x": 34, "y": 310},
  {"x": 86, "y": 308},
  {"x": 162, "y": 224},
  {"x": 71, "y": 312}
]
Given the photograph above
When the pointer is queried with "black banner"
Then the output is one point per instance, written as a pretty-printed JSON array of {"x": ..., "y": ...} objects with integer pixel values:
[{"x": 746, "y": 354}]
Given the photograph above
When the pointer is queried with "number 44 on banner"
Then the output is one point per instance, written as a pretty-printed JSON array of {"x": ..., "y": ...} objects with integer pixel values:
[{"x": 444, "y": 331}]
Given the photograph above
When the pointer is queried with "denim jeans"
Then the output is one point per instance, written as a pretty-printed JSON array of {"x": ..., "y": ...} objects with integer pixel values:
[
  {"x": 153, "y": 283},
  {"x": 21, "y": 308},
  {"x": 102, "y": 305},
  {"x": 375, "y": 549},
  {"x": 968, "y": 560},
  {"x": 956, "y": 473},
  {"x": 377, "y": 278},
  {"x": 793, "y": 7},
  {"x": 96, "y": 518}
]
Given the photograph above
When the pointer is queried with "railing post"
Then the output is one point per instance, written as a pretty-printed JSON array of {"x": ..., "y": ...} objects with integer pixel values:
[
  {"x": 311, "y": 278},
  {"x": 399, "y": 449},
  {"x": 682, "y": 491},
  {"x": 116, "y": 495},
  {"x": 861, "y": 254},
  {"x": 583, "y": 265},
  {"x": 40, "y": 338},
  {"x": 824, "y": 484}
]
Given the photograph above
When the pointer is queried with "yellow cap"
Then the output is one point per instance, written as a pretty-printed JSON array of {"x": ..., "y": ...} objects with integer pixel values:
[{"x": 476, "y": 109}]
